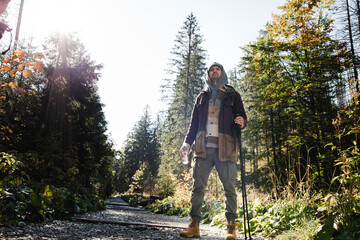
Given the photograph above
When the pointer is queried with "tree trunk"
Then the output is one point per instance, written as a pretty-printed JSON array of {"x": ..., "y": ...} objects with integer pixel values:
[
  {"x": 274, "y": 145},
  {"x": 358, "y": 13},
  {"x": 352, "y": 44}
]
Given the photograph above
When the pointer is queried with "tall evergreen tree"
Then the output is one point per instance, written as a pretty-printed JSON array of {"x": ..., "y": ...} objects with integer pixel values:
[
  {"x": 188, "y": 71},
  {"x": 58, "y": 129},
  {"x": 60, "y": 126},
  {"x": 72, "y": 111},
  {"x": 141, "y": 146}
]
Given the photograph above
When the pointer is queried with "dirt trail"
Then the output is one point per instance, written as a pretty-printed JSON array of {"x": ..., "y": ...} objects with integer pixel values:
[{"x": 118, "y": 217}]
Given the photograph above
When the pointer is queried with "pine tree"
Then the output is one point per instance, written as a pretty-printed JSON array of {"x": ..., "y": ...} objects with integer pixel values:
[
  {"x": 141, "y": 149},
  {"x": 188, "y": 71},
  {"x": 58, "y": 123},
  {"x": 143, "y": 180},
  {"x": 70, "y": 131}
]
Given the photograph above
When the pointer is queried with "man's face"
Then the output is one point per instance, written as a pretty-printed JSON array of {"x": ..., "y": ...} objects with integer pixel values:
[{"x": 214, "y": 73}]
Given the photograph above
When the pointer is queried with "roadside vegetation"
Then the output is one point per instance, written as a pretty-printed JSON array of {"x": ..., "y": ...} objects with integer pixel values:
[{"x": 54, "y": 155}]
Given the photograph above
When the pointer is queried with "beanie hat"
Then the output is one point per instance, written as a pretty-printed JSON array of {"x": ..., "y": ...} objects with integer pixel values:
[{"x": 215, "y": 64}]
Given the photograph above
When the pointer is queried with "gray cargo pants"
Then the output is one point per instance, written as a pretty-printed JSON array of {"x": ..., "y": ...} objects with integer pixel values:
[{"x": 227, "y": 173}]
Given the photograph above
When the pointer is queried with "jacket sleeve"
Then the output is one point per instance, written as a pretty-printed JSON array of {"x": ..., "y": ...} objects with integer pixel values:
[
  {"x": 239, "y": 108},
  {"x": 194, "y": 123}
]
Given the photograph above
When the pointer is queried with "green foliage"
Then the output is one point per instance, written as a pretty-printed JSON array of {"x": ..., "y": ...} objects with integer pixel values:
[
  {"x": 210, "y": 209},
  {"x": 288, "y": 78},
  {"x": 283, "y": 218},
  {"x": 137, "y": 165},
  {"x": 168, "y": 206},
  {"x": 119, "y": 178},
  {"x": 12, "y": 189},
  {"x": 180, "y": 90},
  {"x": 219, "y": 220},
  {"x": 327, "y": 230},
  {"x": 64, "y": 204},
  {"x": 26, "y": 204},
  {"x": 279, "y": 217},
  {"x": 133, "y": 199},
  {"x": 305, "y": 230},
  {"x": 345, "y": 204},
  {"x": 166, "y": 186},
  {"x": 61, "y": 155},
  {"x": 11, "y": 173},
  {"x": 143, "y": 180}
]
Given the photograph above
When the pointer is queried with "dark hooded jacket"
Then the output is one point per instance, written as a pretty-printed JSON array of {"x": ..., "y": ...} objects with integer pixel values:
[{"x": 231, "y": 107}]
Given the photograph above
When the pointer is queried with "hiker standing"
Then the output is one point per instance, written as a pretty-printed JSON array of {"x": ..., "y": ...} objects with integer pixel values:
[{"x": 212, "y": 127}]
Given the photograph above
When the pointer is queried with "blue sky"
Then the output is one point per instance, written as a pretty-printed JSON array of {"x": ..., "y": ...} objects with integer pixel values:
[{"x": 133, "y": 40}]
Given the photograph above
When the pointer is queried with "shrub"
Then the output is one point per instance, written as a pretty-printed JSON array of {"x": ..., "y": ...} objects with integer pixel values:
[
  {"x": 23, "y": 200},
  {"x": 168, "y": 206}
]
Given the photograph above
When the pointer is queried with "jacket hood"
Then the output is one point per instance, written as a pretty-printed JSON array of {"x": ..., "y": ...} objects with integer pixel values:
[{"x": 222, "y": 81}]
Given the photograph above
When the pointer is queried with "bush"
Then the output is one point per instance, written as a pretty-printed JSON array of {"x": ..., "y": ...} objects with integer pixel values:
[
  {"x": 168, "y": 206},
  {"x": 14, "y": 194},
  {"x": 210, "y": 209},
  {"x": 166, "y": 186},
  {"x": 281, "y": 216},
  {"x": 23, "y": 200},
  {"x": 133, "y": 199}
]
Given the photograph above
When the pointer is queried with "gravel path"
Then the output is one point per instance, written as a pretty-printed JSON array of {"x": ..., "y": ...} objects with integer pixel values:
[{"x": 79, "y": 230}]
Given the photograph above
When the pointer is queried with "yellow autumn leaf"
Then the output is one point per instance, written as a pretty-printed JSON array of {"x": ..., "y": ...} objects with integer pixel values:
[
  {"x": 20, "y": 67},
  {"x": 12, "y": 72},
  {"x": 47, "y": 192},
  {"x": 39, "y": 55},
  {"x": 26, "y": 73},
  {"x": 13, "y": 85},
  {"x": 27, "y": 64},
  {"x": 5, "y": 68},
  {"x": 18, "y": 52},
  {"x": 38, "y": 66}
]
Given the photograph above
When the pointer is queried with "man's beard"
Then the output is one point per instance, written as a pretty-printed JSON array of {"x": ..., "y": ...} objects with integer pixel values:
[{"x": 215, "y": 79}]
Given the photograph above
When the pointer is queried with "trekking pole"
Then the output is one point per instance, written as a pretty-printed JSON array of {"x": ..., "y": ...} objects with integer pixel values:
[{"x": 243, "y": 188}]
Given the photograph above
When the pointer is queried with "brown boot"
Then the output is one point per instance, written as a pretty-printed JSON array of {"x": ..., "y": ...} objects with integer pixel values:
[
  {"x": 192, "y": 230},
  {"x": 231, "y": 231}
]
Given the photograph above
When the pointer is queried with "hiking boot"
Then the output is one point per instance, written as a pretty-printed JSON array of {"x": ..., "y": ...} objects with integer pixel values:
[
  {"x": 231, "y": 231},
  {"x": 192, "y": 230}
]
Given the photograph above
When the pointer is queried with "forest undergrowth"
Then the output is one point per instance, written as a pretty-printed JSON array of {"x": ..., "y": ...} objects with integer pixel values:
[{"x": 285, "y": 213}]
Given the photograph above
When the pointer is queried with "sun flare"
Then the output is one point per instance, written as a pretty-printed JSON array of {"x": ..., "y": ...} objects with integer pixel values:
[{"x": 56, "y": 16}]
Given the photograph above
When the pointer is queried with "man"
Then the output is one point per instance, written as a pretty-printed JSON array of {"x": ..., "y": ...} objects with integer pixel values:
[{"x": 213, "y": 130}]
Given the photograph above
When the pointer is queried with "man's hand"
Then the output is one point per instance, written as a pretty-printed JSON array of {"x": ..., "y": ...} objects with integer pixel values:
[
  {"x": 182, "y": 149},
  {"x": 240, "y": 120}
]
